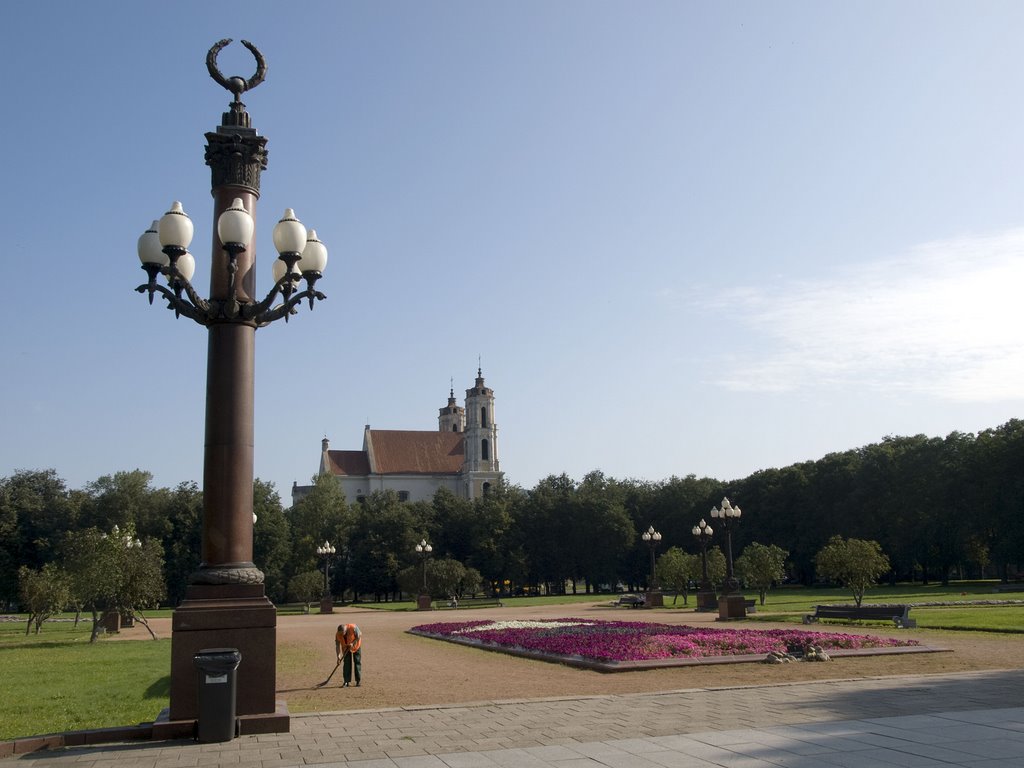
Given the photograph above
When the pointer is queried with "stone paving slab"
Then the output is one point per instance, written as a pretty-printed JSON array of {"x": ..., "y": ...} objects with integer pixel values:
[{"x": 967, "y": 719}]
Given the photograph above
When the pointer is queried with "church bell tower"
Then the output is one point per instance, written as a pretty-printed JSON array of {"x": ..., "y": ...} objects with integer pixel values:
[{"x": 480, "y": 469}]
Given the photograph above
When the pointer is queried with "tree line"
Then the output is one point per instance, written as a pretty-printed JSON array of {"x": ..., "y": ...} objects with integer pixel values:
[{"x": 938, "y": 508}]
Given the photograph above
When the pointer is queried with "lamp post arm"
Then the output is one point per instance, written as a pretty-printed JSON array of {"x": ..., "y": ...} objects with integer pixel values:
[
  {"x": 266, "y": 317},
  {"x": 198, "y": 310}
]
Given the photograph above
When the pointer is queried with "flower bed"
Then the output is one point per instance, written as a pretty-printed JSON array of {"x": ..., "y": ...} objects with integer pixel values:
[{"x": 602, "y": 643}]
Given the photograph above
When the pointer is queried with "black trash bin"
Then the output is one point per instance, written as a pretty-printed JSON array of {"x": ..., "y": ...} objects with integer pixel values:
[{"x": 217, "y": 691}]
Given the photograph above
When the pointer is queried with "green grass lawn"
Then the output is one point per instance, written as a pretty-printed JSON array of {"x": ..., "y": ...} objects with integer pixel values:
[
  {"x": 58, "y": 681},
  {"x": 791, "y": 603}
]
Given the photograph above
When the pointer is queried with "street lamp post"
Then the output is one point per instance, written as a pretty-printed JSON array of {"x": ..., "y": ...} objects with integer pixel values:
[
  {"x": 732, "y": 604},
  {"x": 423, "y": 549},
  {"x": 706, "y": 598},
  {"x": 225, "y": 604},
  {"x": 326, "y": 551},
  {"x": 654, "y": 597}
]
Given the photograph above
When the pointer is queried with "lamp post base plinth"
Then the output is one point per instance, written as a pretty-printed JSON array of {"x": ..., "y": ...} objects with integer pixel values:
[
  {"x": 423, "y": 603},
  {"x": 235, "y": 616},
  {"x": 654, "y": 599},
  {"x": 707, "y": 600},
  {"x": 732, "y": 606},
  {"x": 326, "y": 604}
]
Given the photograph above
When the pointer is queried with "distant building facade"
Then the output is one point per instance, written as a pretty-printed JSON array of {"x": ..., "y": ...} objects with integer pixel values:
[{"x": 461, "y": 455}]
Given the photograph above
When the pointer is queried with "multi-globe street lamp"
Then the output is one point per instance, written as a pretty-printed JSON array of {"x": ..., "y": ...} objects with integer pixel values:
[
  {"x": 732, "y": 604},
  {"x": 654, "y": 598},
  {"x": 423, "y": 549},
  {"x": 706, "y": 597},
  {"x": 326, "y": 551},
  {"x": 225, "y": 605}
]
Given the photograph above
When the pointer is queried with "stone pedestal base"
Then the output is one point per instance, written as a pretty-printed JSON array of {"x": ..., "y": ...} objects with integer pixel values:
[
  {"x": 707, "y": 600},
  {"x": 732, "y": 607},
  {"x": 327, "y": 604},
  {"x": 654, "y": 599},
  {"x": 248, "y": 725},
  {"x": 111, "y": 622},
  {"x": 423, "y": 603},
  {"x": 227, "y": 616}
]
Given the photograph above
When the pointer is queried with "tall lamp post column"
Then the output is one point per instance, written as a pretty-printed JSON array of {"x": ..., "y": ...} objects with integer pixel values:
[
  {"x": 326, "y": 551},
  {"x": 423, "y": 549},
  {"x": 225, "y": 604},
  {"x": 706, "y": 598},
  {"x": 654, "y": 598},
  {"x": 732, "y": 604}
]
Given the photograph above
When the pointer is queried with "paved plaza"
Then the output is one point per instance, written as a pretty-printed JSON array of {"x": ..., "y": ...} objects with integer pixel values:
[{"x": 973, "y": 719}]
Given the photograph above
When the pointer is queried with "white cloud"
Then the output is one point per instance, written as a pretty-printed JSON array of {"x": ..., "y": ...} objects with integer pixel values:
[{"x": 946, "y": 320}]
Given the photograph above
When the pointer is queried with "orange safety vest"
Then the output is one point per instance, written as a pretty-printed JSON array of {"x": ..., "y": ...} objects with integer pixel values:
[{"x": 349, "y": 638}]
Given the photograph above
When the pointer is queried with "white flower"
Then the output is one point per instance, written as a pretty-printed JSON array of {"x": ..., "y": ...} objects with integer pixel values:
[{"x": 523, "y": 625}]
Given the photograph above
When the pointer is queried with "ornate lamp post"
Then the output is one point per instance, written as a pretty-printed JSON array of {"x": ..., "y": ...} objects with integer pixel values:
[
  {"x": 732, "y": 604},
  {"x": 326, "y": 551},
  {"x": 225, "y": 604},
  {"x": 654, "y": 597},
  {"x": 706, "y": 598},
  {"x": 423, "y": 549}
]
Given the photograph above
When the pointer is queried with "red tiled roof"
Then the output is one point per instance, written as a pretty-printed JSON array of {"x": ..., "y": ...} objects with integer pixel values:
[
  {"x": 349, "y": 463},
  {"x": 410, "y": 452}
]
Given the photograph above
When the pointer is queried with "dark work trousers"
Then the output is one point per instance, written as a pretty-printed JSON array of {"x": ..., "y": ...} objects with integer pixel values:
[{"x": 350, "y": 660}]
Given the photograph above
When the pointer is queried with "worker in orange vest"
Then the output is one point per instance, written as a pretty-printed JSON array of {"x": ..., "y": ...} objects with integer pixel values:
[{"x": 348, "y": 643}]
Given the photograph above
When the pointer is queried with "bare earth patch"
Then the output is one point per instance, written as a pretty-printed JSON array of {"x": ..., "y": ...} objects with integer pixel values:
[{"x": 403, "y": 670}]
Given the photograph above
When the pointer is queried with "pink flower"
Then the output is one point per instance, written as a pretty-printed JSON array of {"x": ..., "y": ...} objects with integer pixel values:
[{"x": 638, "y": 641}]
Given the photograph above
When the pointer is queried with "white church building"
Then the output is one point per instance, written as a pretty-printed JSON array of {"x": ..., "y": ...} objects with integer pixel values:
[{"x": 461, "y": 455}]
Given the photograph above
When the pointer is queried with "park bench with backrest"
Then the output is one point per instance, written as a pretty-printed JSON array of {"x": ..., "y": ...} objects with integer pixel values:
[
  {"x": 898, "y": 614},
  {"x": 469, "y": 602},
  {"x": 633, "y": 601}
]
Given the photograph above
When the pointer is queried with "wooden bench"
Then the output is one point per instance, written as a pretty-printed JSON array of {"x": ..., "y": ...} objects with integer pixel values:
[
  {"x": 633, "y": 601},
  {"x": 469, "y": 602},
  {"x": 750, "y": 605},
  {"x": 898, "y": 614}
]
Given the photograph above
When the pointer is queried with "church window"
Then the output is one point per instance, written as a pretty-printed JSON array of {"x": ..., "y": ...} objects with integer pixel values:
[
  {"x": 485, "y": 450},
  {"x": 455, "y": 427},
  {"x": 483, "y": 417},
  {"x": 487, "y": 489}
]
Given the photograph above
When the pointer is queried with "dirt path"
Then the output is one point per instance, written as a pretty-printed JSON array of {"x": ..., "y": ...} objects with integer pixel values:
[{"x": 401, "y": 669}]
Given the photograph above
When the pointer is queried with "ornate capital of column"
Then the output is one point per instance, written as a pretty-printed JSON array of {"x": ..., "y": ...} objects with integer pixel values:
[{"x": 236, "y": 160}]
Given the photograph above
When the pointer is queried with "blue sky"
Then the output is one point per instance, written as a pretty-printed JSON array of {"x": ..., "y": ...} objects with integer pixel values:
[{"x": 701, "y": 238}]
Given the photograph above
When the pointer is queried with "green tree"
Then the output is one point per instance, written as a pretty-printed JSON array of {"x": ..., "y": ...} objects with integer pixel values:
[
  {"x": 676, "y": 569},
  {"x": 716, "y": 565},
  {"x": 44, "y": 593},
  {"x": 115, "y": 572},
  {"x": 854, "y": 563},
  {"x": 601, "y": 534},
  {"x": 271, "y": 545},
  {"x": 544, "y": 532},
  {"x": 125, "y": 498},
  {"x": 183, "y": 509},
  {"x": 382, "y": 543},
  {"x": 35, "y": 511},
  {"x": 760, "y": 566},
  {"x": 321, "y": 515},
  {"x": 306, "y": 588}
]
